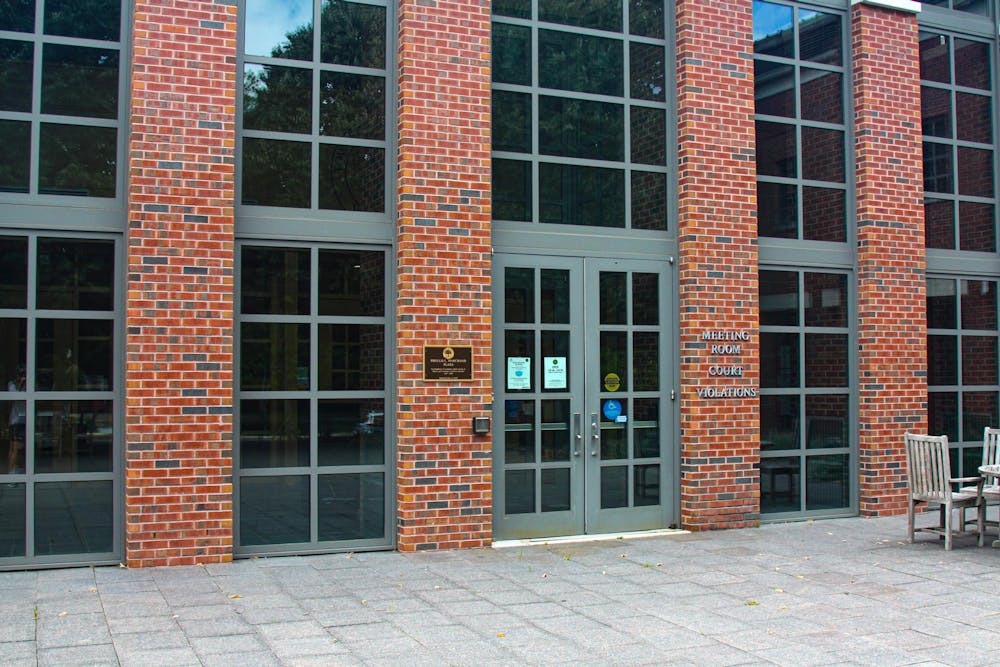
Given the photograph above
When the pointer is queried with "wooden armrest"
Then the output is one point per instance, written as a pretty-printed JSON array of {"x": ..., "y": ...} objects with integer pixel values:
[{"x": 966, "y": 479}]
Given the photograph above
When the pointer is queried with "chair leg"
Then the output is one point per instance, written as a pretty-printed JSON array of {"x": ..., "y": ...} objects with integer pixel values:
[
  {"x": 981, "y": 514},
  {"x": 909, "y": 521},
  {"x": 947, "y": 526}
]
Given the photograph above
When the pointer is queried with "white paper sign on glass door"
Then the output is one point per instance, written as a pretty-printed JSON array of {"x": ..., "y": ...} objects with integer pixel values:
[
  {"x": 518, "y": 373},
  {"x": 555, "y": 373}
]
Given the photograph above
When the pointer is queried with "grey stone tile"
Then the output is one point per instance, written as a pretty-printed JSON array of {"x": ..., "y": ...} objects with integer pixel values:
[
  {"x": 145, "y": 641},
  {"x": 121, "y": 626},
  {"x": 293, "y": 630},
  {"x": 245, "y": 659},
  {"x": 175, "y": 657},
  {"x": 226, "y": 623},
  {"x": 16, "y": 653},
  {"x": 307, "y": 646},
  {"x": 73, "y": 630},
  {"x": 74, "y": 656},
  {"x": 227, "y": 644}
]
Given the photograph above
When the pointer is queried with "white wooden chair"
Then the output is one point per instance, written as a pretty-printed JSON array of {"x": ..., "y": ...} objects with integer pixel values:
[
  {"x": 929, "y": 480},
  {"x": 991, "y": 488}
]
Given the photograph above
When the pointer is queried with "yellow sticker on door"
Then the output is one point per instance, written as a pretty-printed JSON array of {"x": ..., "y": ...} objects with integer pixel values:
[{"x": 612, "y": 382}]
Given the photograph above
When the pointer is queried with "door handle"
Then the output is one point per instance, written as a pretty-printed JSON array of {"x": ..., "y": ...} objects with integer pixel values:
[
  {"x": 577, "y": 432},
  {"x": 595, "y": 433}
]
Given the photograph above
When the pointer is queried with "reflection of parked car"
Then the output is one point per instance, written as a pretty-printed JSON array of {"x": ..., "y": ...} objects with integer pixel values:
[{"x": 375, "y": 423}]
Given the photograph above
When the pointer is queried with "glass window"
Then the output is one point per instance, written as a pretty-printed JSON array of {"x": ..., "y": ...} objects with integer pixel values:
[
  {"x": 60, "y": 100},
  {"x": 799, "y": 72},
  {"x": 962, "y": 361},
  {"x": 806, "y": 441},
  {"x": 333, "y": 98},
  {"x": 311, "y": 398},
  {"x": 597, "y": 99},
  {"x": 58, "y": 398},
  {"x": 956, "y": 102}
]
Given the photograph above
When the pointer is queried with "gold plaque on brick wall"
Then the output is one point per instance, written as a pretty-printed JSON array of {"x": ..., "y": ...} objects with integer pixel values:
[{"x": 448, "y": 362}]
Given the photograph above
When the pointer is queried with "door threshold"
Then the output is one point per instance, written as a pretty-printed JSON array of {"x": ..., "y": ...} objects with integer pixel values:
[{"x": 603, "y": 537}]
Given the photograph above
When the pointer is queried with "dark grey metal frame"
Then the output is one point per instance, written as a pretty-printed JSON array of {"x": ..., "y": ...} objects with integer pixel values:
[
  {"x": 529, "y": 236},
  {"x": 851, "y": 390},
  {"x": 957, "y": 264},
  {"x": 388, "y": 467},
  {"x": 315, "y": 228},
  {"x": 820, "y": 256},
  {"x": 315, "y": 223},
  {"x": 40, "y": 211},
  {"x": 115, "y": 395},
  {"x": 959, "y": 389}
]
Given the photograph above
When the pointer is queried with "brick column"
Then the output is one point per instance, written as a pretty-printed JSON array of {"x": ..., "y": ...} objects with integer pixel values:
[
  {"x": 444, "y": 480},
  {"x": 179, "y": 344},
  {"x": 717, "y": 272},
  {"x": 892, "y": 327}
]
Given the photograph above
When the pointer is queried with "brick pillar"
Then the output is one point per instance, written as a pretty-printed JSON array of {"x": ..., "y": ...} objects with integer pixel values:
[
  {"x": 892, "y": 327},
  {"x": 444, "y": 480},
  {"x": 179, "y": 318},
  {"x": 717, "y": 271}
]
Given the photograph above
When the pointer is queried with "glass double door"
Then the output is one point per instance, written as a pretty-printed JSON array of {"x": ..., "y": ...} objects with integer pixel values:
[{"x": 584, "y": 437}]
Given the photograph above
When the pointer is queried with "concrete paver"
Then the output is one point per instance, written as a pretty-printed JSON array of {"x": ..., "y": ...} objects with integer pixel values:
[{"x": 844, "y": 591}]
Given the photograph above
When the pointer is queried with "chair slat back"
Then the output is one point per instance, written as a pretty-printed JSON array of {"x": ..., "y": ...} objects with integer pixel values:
[
  {"x": 928, "y": 466},
  {"x": 991, "y": 446}
]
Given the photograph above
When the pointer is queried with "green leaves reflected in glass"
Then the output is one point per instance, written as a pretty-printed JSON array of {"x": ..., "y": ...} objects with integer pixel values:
[
  {"x": 511, "y": 190},
  {"x": 277, "y": 98},
  {"x": 567, "y": 61},
  {"x": 276, "y": 173},
  {"x": 16, "y": 59},
  {"x": 352, "y": 34},
  {"x": 77, "y": 161},
  {"x": 351, "y": 105},
  {"x": 588, "y": 196},
  {"x": 597, "y": 14},
  {"x": 17, "y": 15},
  {"x": 580, "y": 128},
  {"x": 93, "y": 19},
  {"x": 80, "y": 81},
  {"x": 351, "y": 178},
  {"x": 511, "y": 54},
  {"x": 511, "y": 121},
  {"x": 15, "y": 137}
]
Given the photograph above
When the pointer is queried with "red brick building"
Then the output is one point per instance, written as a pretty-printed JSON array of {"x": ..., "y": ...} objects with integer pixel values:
[{"x": 301, "y": 276}]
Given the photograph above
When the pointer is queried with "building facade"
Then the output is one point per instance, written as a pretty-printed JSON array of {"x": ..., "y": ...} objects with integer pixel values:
[{"x": 305, "y": 276}]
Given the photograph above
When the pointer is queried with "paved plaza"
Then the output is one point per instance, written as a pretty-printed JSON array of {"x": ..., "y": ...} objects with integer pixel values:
[{"x": 845, "y": 591}]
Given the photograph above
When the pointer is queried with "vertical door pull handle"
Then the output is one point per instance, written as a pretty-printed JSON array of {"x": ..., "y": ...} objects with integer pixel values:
[
  {"x": 595, "y": 433},
  {"x": 577, "y": 432}
]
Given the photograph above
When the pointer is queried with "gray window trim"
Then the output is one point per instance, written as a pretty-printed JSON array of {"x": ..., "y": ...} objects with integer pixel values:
[
  {"x": 799, "y": 251},
  {"x": 388, "y": 395},
  {"x": 954, "y": 260},
  {"x": 116, "y": 476},
  {"x": 68, "y": 212},
  {"x": 528, "y": 236},
  {"x": 317, "y": 224},
  {"x": 851, "y": 391}
]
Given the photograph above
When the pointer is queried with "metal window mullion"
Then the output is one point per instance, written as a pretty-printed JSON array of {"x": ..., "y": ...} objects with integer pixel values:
[
  {"x": 34, "y": 154},
  {"x": 29, "y": 403},
  {"x": 313, "y": 385}
]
